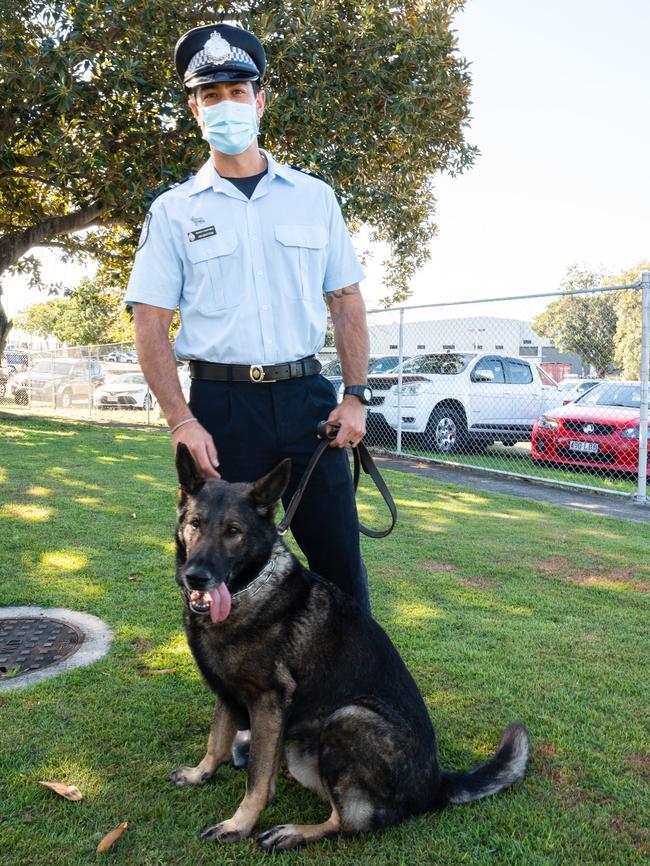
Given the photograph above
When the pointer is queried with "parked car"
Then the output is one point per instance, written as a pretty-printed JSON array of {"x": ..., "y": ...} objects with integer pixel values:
[
  {"x": 16, "y": 360},
  {"x": 573, "y": 387},
  {"x": 125, "y": 391},
  {"x": 599, "y": 430},
  {"x": 118, "y": 357},
  {"x": 376, "y": 364},
  {"x": 5, "y": 374},
  {"x": 455, "y": 400},
  {"x": 61, "y": 381}
]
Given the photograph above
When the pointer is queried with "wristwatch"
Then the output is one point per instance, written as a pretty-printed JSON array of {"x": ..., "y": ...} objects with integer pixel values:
[{"x": 361, "y": 392}]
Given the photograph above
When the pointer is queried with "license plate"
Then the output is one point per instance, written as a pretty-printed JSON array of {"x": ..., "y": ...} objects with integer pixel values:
[{"x": 584, "y": 447}]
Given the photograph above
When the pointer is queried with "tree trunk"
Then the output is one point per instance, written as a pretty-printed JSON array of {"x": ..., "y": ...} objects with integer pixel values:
[{"x": 15, "y": 245}]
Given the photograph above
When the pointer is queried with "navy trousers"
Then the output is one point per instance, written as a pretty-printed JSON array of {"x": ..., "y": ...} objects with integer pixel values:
[{"x": 254, "y": 427}]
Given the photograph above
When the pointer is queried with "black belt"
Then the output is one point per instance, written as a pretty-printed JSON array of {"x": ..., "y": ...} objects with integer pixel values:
[{"x": 255, "y": 373}]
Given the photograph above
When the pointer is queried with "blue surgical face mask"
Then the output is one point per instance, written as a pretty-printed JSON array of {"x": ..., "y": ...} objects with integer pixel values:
[{"x": 230, "y": 127}]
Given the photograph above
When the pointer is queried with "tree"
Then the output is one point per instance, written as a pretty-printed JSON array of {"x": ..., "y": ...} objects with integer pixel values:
[
  {"x": 90, "y": 315},
  {"x": 369, "y": 94},
  {"x": 585, "y": 324},
  {"x": 41, "y": 319},
  {"x": 627, "y": 340}
]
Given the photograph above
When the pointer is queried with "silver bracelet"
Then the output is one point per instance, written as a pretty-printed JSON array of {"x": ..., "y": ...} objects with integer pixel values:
[{"x": 172, "y": 430}]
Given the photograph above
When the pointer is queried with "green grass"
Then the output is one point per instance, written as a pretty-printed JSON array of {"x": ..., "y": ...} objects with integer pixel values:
[
  {"x": 517, "y": 461},
  {"x": 502, "y": 608}
]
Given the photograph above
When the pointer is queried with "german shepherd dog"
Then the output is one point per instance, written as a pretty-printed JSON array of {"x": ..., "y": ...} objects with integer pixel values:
[{"x": 295, "y": 658}]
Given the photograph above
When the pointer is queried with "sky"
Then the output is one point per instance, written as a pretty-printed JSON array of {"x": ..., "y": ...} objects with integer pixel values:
[{"x": 560, "y": 116}]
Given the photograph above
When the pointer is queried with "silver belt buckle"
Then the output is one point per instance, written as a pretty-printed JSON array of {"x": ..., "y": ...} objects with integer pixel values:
[{"x": 256, "y": 374}]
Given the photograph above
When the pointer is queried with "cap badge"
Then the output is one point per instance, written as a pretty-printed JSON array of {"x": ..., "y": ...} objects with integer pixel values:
[{"x": 217, "y": 49}]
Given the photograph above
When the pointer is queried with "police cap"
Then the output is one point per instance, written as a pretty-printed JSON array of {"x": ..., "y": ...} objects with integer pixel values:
[{"x": 218, "y": 52}]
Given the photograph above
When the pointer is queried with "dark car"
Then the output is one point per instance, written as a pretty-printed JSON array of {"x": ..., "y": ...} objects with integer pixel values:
[
  {"x": 60, "y": 381},
  {"x": 600, "y": 430}
]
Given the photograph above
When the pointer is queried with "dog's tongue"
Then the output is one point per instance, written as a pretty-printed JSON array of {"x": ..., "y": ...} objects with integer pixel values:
[{"x": 219, "y": 603}]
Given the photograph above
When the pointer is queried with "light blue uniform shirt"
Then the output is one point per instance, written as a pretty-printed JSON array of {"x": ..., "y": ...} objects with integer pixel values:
[{"x": 247, "y": 275}]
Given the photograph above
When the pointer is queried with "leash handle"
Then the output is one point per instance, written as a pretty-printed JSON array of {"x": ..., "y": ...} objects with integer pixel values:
[{"x": 362, "y": 459}]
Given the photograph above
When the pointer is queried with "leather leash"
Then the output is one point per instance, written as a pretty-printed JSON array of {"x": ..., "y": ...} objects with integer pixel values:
[{"x": 362, "y": 459}]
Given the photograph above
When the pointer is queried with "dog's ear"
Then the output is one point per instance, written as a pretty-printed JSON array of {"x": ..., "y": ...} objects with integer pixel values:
[
  {"x": 189, "y": 477},
  {"x": 267, "y": 491}
]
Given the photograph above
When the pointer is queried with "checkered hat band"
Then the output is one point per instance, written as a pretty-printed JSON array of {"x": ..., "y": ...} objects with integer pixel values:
[{"x": 202, "y": 58}]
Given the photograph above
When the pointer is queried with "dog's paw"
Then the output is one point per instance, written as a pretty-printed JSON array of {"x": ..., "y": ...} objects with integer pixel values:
[
  {"x": 280, "y": 838},
  {"x": 226, "y": 831},
  {"x": 189, "y": 776}
]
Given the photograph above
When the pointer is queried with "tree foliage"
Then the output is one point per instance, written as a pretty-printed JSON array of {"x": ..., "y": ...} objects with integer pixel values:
[
  {"x": 90, "y": 315},
  {"x": 371, "y": 95},
  {"x": 585, "y": 324},
  {"x": 627, "y": 340}
]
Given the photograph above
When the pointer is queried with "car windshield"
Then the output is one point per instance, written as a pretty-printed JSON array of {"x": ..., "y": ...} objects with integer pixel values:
[
  {"x": 383, "y": 365},
  {"x": 58, "y": 367},
  {"x": 332, "y": 368},
  {"x": 627, "y": 394},
  {"x": 128, "y": 378},
  {"x": 446, "y": 364}
]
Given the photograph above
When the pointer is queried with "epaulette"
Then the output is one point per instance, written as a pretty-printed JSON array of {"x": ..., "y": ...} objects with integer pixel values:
[
  {"x": 152, "y": 196},
  {"x": 310, "y": 173}
]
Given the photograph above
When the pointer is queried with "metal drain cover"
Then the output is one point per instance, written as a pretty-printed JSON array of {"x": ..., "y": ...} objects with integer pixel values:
[{"x": 29, "y": 644}]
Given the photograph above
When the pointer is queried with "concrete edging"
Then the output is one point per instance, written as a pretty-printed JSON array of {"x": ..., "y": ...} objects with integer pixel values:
[{"x": 96, "y": 644}]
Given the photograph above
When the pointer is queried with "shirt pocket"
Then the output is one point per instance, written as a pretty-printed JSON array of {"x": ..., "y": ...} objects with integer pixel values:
[
  {"x": 303, "y": 250},
  {"x": 216, "y": 273}
]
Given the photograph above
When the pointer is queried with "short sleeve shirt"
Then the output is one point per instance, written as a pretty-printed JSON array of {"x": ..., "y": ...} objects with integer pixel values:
[{"x": 247, "y": 275}]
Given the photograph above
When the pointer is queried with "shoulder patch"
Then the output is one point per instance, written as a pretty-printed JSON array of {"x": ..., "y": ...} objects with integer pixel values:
[
  {"x": 310, "y": 173},
  {"x": 152, "y": 196}
]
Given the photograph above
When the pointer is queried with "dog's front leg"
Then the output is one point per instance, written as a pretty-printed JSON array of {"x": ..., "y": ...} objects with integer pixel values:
[
  {"x": 222, "y": 733},
  {"x": 267, "y": 726}
]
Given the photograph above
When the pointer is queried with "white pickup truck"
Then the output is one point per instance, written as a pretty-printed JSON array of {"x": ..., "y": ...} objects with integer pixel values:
[{"x": 461, "y": 400}]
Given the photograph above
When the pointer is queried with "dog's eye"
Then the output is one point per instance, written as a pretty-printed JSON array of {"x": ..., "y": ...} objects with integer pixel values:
[
  {"x": 195, "y": 523},
  {"x": 232, "y": 530}
]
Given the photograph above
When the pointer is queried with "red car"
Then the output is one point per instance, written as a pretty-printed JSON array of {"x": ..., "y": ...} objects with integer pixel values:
[{"x": 599, "y": 430}]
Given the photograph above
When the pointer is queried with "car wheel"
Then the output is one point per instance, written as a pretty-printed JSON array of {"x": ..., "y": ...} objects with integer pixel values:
[
  {"x": 147, "y": 403},
  {"x": 446, "y": 431},
  {"x": 21, "y": 398},
  {"x": 66, "y": 399}
]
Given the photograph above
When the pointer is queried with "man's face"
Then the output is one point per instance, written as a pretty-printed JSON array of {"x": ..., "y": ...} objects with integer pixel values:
[{"x": 234, "y": 91}]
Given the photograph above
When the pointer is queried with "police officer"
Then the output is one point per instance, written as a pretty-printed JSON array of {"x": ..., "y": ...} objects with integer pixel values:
[{"x": 247, "y": 249}]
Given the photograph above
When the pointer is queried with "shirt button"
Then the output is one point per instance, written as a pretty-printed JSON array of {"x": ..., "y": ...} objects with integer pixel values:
[
  {"x": 259, "y": 273},
  {"x": 265, "y": 306},
  {"x": 253, "y": 237}
]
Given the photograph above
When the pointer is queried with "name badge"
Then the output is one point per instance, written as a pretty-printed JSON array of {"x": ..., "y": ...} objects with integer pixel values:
[{"x": 199, "y": 234}]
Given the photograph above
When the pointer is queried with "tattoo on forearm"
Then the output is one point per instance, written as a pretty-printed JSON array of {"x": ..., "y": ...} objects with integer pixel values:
[{"x": 341, "y": 293}]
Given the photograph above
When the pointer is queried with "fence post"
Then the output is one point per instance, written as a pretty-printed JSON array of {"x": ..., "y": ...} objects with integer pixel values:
[
  {"x": 642, "y": 485},
  {"x": 400, "y": 341}
]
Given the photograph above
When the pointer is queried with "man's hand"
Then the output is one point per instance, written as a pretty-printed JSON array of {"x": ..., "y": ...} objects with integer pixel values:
[
  {"x": 350, "y": 414},
  {"x": 201, "y": 446}
]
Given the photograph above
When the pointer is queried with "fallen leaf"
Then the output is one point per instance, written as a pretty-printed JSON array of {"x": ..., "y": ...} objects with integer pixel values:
[
  {"x": 133, "y": 515},
  {"x": 156, "y": 673},
  {"x": 70, "y": 792},
  {"x": 134, "y": 577},
  {"x": 111, "y": 838}
]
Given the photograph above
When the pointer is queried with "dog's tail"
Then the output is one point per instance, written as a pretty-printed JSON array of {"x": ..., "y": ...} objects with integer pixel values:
[{"x": 506, "y": 767}]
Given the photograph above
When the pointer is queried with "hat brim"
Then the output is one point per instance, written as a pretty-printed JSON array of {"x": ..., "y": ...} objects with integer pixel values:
[{"x": 206, "y": 75}]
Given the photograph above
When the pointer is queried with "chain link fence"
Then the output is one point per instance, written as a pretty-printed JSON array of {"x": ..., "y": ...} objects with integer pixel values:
[
  {"x": 474, "y": 385},
  {"x": 466, "y": 383}
]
